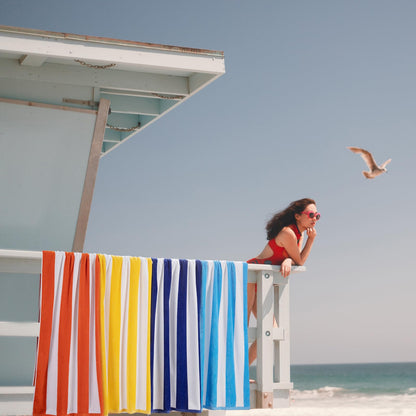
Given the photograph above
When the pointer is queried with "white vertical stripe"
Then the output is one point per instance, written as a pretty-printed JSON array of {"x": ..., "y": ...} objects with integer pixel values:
[
  {"x": 142, "y": 335},
  {"x": 124, "y": 314},
  {"x": 52, "y": 377},
  {"x": 73, "y": 349},
  {"x": 239, "y": 346},
  {"x": 108, "y": 272},
  {"x": 222, "y": 338},
  {"x": 158, "y": 365},
  {"x": 94, "y": 398},
  {"x": 192, "y": 340},
  {"x": 173, "y": 317},
  {"x": 208, "y": 319}
]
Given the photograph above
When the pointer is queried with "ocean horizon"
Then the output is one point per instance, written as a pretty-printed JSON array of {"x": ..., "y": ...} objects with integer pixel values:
[{"x": 360, "y": 389}]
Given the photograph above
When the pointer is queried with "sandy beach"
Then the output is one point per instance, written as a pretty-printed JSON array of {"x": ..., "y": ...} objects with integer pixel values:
[{"x": 327, "y": 411}]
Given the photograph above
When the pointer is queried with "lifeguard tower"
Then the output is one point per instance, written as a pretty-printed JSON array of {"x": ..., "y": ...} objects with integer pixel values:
[{"x": 66, "y": 101}]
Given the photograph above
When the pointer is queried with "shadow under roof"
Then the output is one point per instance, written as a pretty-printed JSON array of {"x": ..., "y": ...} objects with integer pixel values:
[{"x": 143, "y": 81}]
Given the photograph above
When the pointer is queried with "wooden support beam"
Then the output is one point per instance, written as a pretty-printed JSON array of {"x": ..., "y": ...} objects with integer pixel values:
[
  {"x": 43, "y": 105},
  {"x": 264, "y": 400},
  {"x": 90, "y": 176}
]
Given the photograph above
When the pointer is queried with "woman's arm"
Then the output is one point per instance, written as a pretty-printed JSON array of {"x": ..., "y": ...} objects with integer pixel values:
[{"x": 287, "y": 239}]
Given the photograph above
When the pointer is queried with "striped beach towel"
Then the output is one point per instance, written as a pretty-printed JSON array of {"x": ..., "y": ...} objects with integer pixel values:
[
  {"x": 223, "y": 336},
  {"x": 175, "y": 346},
  {"x": 68, "y": 373},
  {"x": 125, "y": 333},
  {"x": 132, "y": 334},
  {"x": 200, "y": 330}
]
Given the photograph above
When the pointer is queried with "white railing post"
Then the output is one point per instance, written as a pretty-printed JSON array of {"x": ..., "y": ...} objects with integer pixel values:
[
  {"x": 273, "y": 383},
  {"x": 264, "y": 395},
  {"x": 282, "y": 384}
]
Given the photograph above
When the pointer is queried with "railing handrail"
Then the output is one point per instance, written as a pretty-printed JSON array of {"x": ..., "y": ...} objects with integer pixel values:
[
  {"x": 34, "y": 259},
  {"x": 21, "y": 254}
]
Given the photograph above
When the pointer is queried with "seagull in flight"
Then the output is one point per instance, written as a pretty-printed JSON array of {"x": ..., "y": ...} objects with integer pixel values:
[{"x": 375, "y": 170}]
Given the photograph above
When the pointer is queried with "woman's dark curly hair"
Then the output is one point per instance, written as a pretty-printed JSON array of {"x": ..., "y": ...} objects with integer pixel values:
[{"x": 286, "y": 217}]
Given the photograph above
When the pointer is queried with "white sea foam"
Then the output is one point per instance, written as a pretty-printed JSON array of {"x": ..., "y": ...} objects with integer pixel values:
[
  {"x": 345, "y": 403},
  {"x": 327, "y": 391}
]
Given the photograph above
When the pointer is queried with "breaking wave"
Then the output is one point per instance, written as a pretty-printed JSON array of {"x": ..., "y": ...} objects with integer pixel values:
[{"x": 330, "y": 396}]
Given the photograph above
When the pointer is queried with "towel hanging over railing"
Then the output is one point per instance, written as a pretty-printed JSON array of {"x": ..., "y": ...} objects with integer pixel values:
[
  {"x": 132, "y": 334},
  {"x": 68, "y": 373}
]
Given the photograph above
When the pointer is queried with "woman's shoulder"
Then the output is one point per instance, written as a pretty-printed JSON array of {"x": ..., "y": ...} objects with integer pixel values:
[
  {"x": 289, "y": 230},
  {"x": 285, "y": 234}
]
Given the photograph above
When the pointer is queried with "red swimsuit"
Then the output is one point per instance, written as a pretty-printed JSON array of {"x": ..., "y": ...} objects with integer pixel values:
[{"x": 279, "y": 253}]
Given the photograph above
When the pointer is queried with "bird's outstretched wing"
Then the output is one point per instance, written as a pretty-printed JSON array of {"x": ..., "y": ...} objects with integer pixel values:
[
  {"x": 385, "y": 163},
  {"x": 366, "y": 155}
]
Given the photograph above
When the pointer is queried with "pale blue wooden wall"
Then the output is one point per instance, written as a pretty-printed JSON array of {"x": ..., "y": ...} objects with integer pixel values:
[{"x": 43, "y": 159}]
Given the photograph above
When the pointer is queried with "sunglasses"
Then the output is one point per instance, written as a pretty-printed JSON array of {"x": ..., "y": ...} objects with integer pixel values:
[{"x": 312, "y": 214}]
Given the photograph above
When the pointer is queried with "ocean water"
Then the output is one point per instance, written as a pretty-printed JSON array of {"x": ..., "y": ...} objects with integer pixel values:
[
  {"x": 386, "y": 389},
  {"x": 362, "y": 389}
]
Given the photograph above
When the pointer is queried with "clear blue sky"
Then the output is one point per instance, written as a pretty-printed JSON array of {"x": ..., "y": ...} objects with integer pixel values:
[{"x": 304, "y": 79}]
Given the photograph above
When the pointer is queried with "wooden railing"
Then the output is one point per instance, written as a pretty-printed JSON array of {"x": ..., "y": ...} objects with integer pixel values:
[
  {"x": 18, "y": 400},
  {"x": 272, "y": 385}
]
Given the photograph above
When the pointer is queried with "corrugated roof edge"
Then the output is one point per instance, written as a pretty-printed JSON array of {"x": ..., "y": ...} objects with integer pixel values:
[{"x": 109, "y": 41}]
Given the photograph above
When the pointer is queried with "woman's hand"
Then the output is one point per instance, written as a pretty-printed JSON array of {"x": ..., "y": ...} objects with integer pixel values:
[
  {"x": 311, "y": 232},
  {"x": 286, "y": 267}
]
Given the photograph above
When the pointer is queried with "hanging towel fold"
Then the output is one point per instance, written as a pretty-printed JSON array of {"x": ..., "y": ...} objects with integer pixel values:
[
  {"x": 125, "y": 333},
  {"x": 223, "y": 336},
  {"x": 200, "y": 326},
  {"x": 176, "y": 374},
  {"x": 68, "y": 372},
  {"x": 132, "y": 334}
]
